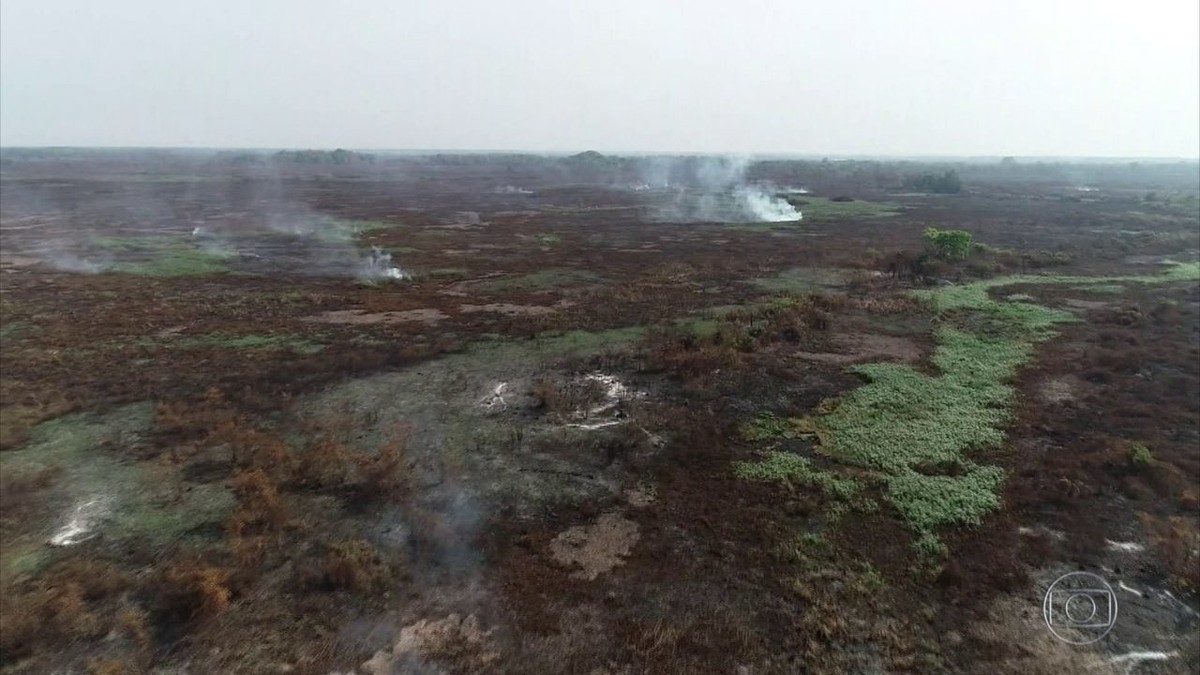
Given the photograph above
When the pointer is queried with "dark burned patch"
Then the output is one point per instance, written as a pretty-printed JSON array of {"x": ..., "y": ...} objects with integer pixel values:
[{"x": 939, "y": 468}]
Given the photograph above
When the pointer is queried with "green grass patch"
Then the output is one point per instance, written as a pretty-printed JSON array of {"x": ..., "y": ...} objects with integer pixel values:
[
  {"x": 802, "y": 280},
  {"x": 554, "y": 277},
  {"x": 178, "y": 260},
  {"x": 1105, "y": 289},
  {"x": 133, "y": 507},
  {"x": 221, "y": 341},
  {"x": 822, "y": 208},
  {"x": 917, "y": 432},
  {"x": 790, "y": 467},
  {"x": 767, "y": 427},
  {"x": 542, "y": 240},
  {"x": 15, "y": 330},
  {"x": 448, "y": 273}
]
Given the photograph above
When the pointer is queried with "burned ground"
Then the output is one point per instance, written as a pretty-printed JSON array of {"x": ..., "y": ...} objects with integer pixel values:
[{"x": 576, "y": 436}]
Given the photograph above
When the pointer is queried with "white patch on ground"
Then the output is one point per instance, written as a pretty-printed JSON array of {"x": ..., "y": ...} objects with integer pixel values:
[
  {"x": 509, "y": 309},
  {"x": 1124, "y": 546},
  {"x": 494, "y": 400},
  {"x": 1041, "y": 530},
  {"x": 1121, "y": 585},
  {"x": 1132, "y": 659},
  {"x": 595, "y": 548},
  {"x": 615, "y": 393},
  {"x": 592, "y": 426},
  {"x": 82, "y": 523},
  {"x": 1056, "y": 390}
]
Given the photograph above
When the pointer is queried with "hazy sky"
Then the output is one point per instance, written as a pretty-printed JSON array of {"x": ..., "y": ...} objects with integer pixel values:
[{"x": 836, "y": 77}]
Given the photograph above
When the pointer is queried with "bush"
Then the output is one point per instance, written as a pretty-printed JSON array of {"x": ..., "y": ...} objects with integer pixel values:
[
  {"x": 949, "y": 244},
  {"x": 191, "y": 590},
  {"x": 353, "y": 565},
  {"x": 1140, "y": 456}
]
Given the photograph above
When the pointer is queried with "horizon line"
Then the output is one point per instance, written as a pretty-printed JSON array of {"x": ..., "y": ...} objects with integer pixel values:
[{"x": 643, "y": 153}]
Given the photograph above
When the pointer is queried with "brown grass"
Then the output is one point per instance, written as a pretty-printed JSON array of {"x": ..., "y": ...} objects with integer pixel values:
[
  {"x": 326, "y": 463},
  {"x": 1176, "y": 541},
  {"x": 191, "y": 590},
  {"x": 20, "y": 492},
  {"x": 25, "y": 407},
  {"x": 258, "y": 519},
  {"x": 384, "y": 475},
  {"x": 354, "y": 566}
]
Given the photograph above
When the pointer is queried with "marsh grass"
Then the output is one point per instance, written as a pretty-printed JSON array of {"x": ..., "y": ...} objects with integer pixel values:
[{"x": 917, "y": 432}]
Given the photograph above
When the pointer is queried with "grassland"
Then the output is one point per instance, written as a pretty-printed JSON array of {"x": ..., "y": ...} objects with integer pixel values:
[
  {"x": 542, "y": 280},
  {"x": 823, "y": 208},
  {"x": 917, "y": 433}
]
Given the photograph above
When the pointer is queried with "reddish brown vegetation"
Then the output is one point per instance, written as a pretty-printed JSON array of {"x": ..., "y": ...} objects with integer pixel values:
[{"x": 192, "y": 590}]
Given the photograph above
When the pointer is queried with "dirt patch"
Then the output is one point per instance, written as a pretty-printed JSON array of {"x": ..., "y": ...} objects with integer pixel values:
[
  {"x": 427, "y": 316},
  {"x": 853, "y": 347},
  {"x": 1057, "y": 390},
  {"x": 641, "y": 496},
  {"x": 453, "y": 636},
  {"x": 516, "y": 310},
  {"x": 1075, "y": 303},
  {"x": 1017, "y": 621},
  {"x": 597, "y": 548},
  {"x": 10, "y": 263}
]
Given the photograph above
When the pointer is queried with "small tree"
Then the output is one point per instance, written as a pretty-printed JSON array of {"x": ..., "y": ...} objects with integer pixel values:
[{"x": 949, "y": 244}]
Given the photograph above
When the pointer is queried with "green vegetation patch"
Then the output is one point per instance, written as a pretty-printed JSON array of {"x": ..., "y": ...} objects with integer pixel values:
[
  {"x": 1106, "y": 289},
  {"x": 125, "y": 500},
  {"x": 554, "y": 277},
  {"x": 15, "y": 330},
  {"x": 790, "y": 467},
  {"x": 448, "y": 273},
  {"x": 822, "y": 208},
  {"x": 221, "y": 341},
  {"x": 801, "y": 280},
  {"x": 767, "y": 427},
  {"x": 178, "y": 260},
  {"x": 915, "y": 431}
]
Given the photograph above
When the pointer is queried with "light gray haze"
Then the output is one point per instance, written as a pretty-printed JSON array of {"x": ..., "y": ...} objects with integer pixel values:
[{"x": 835, "y": 77}]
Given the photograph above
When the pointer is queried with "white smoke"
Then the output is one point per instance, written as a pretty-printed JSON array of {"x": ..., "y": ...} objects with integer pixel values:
[
  {"x": 377, "y": 266},
  {"x": 764, "y": 207},
  {"x": 512, "y": 190},
  {"x": 58, "y": 254},
  {"x": 716, "y": 189}
]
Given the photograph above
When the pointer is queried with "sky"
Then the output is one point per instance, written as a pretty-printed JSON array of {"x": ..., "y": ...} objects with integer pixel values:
[{"x": 836, "y": 77}]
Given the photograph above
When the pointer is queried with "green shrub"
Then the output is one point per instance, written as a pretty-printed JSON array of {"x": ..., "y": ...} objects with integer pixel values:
[
  {"x": 1140, "y": 456},
  {"x": 949, "y": 244}
]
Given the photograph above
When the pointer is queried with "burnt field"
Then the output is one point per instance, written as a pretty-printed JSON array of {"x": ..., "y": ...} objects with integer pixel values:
[{"x": 320, "y": 413}]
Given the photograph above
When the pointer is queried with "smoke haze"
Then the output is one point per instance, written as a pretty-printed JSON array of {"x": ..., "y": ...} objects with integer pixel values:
[{"x": 1059, "y": 78}]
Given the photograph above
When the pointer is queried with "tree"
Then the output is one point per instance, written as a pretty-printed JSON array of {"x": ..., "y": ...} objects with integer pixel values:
[{"x": 949, "y": 244}]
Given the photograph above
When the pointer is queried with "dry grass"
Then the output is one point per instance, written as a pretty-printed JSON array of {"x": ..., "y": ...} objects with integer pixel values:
[
  {"x": 1176, "y": 542},
  {"x": 257, "y": 521},
  {"x": 326, "y": 463},
  {"x": 20, "y": 493},
  {"x": 25, "y": 407},
  {"x": 192, "y": 590},
  {"x": 353, "y": 565},
  {"x": 384, "y": 475}
]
